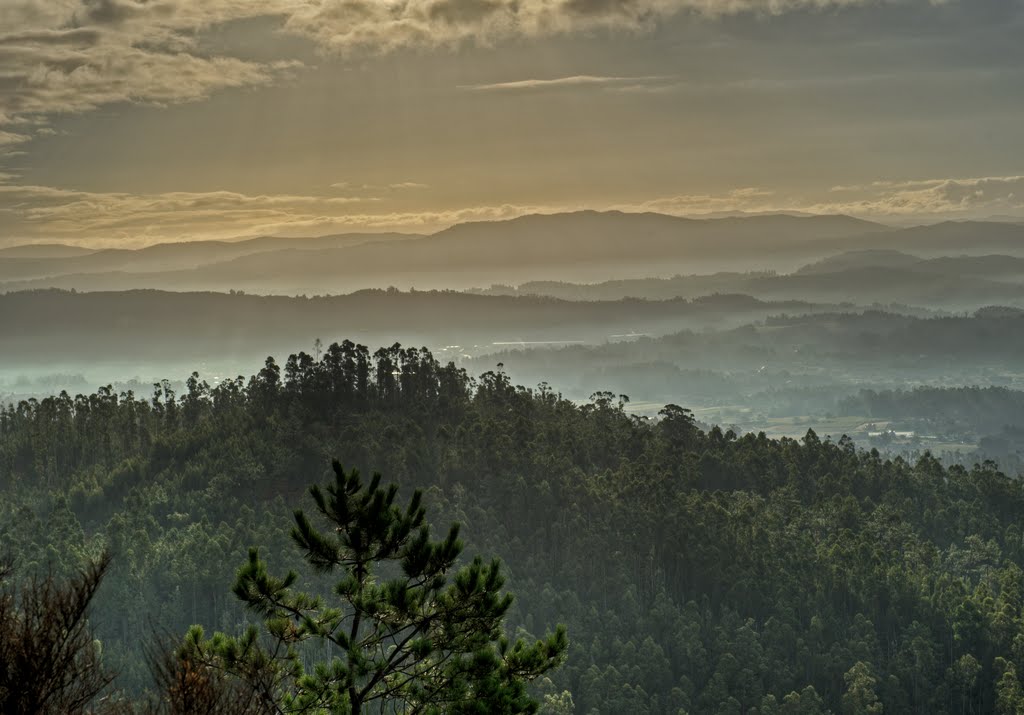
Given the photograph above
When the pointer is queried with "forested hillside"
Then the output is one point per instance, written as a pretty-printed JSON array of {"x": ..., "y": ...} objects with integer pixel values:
[
  {"x": 985, "y": 410},
  {"x": 186, "y": 328},
  {"x": 856, "y": 348},
  {"x": 697, "y": 572}
]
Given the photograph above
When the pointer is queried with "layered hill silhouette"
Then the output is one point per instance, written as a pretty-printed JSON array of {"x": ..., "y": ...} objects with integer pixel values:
[
  {"x": 862, "y": 277},
  {"x": 44, "y": 251},
  {"x": 812, "y": 357},
  {"x": 582, "y": 244},
  {"x": 25, "y": 263},
  {"x": 52, "y": 327},
  {"x": 990, "y": 266},
  {"x": 824, "y": 259}
]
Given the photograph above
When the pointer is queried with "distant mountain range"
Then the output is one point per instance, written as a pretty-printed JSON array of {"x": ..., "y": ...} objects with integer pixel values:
[
  {"x": 54, "y": 260},
  {"x": 44, "y": 250},
  {"x": 860, "y": 277},
  {"x": 584, "y": 246},
  {"x": 578, "y": 245}
]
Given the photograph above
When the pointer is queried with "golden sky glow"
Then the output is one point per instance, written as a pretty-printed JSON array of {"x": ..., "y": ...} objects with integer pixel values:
[{"x": 125, "y": 122}]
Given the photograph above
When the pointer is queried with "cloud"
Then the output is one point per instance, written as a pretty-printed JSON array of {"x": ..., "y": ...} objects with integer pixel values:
[
  {"x": 961, "y": 197},
  {"x": 397, "y": 186},
  {"x": 66, "y": 56},
  {"x": 10, "y": 138},
  {"x": 44, "y": 78},
  {"x": 348, "y": 25},
  {"x": 924, "y": 199},
  {"x": 750, "y": 199},
  {"x": 70, "y": 56},
  {"x": 573, "y": 81},
  {"x": 404, "y": 185},
  {"x": 118, "y": 218},
  {"x": 34, "y": 213}
]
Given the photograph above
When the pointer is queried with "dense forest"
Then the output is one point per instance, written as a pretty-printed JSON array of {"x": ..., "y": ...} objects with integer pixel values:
[
  {"x": 169, "y": 328},
  {"x": 861, "y": 276},
  {"x": 916, "y": 287},
  {"x": 571, "y": 344},
  {"x": 697, "y": 571},
  {"x": 985, "y": 410},
  {"x": 846, "y": 350},
  {"x": 992, "y": 417}
]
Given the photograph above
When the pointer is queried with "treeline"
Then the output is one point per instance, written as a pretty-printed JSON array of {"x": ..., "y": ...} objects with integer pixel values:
[
  {"x": 801, "y": 341},
  {"x": 960, "y": 283},
  {"x": 185, "y": 328},
  {"x": 697, "y": 571},
  {"x": 993, "y": 417},
  {"x": 843, "y": 351},
  {"x": 983, "y": 410}
]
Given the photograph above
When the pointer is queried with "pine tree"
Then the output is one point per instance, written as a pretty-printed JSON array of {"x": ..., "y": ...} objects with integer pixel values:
[{"x": 407, "y": 631}]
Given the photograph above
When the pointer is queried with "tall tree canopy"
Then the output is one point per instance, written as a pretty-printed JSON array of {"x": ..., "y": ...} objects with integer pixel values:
[
  {"x": 698, "y": 570},
  {"x": 405, "y": 631}
]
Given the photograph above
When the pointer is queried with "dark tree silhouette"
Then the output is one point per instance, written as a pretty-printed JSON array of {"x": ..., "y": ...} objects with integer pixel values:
[{"x": 49, "y": 662}]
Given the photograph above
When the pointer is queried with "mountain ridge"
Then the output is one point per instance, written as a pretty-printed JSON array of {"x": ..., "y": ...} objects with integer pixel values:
[{"x": 581, "y": 246}]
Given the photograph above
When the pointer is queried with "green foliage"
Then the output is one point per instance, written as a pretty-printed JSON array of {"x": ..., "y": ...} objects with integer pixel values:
[
  {"x": 409, "y": 632},
  {"x": 698, "y": 571},
  {"x": 860, "y": 697}
]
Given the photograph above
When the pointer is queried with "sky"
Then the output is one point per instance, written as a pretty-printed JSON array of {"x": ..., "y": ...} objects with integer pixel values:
[{"x": 129, "y": 122}]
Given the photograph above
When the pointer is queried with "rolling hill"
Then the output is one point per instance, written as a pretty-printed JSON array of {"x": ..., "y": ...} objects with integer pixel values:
[{"x": 582, "y": 247}]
